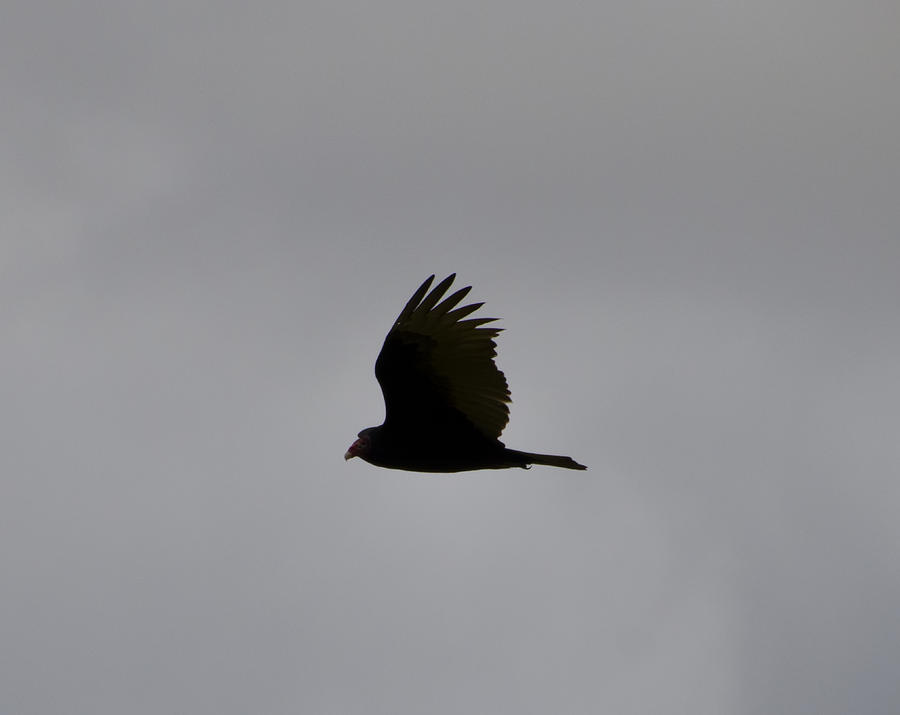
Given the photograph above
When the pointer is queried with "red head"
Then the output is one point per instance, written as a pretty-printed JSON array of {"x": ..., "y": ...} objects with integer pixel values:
[{"x": 360, "y": 448}]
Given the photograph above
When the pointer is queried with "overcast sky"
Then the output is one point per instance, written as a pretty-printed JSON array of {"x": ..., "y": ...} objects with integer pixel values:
[{"x": 687, "y": 215}]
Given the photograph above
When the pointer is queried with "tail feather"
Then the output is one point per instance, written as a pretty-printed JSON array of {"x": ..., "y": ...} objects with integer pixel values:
[{"x": 551, "y": 460}]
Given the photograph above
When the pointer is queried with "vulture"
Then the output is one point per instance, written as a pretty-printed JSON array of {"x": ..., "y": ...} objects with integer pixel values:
[{"x": 446, "y": 402}]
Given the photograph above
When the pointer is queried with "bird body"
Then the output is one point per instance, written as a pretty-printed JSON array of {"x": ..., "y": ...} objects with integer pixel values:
[{"x": 446, "y": 402}]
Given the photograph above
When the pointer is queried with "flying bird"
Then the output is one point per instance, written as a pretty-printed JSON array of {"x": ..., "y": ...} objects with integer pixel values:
[{"x": 446, "y": 402}]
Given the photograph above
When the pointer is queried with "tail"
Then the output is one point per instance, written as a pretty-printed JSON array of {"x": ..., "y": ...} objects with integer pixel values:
[{"x": 523, "y": 459}]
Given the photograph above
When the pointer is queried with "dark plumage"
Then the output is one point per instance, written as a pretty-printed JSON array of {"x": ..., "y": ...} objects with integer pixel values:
[{"x": 446, "y": 402}]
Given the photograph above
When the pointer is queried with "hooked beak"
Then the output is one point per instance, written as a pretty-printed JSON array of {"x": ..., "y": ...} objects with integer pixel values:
[{"x": 348, "y": 455}]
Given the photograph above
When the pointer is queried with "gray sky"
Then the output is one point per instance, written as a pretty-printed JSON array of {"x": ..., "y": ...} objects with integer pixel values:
[{"x": 687, "y": 216}]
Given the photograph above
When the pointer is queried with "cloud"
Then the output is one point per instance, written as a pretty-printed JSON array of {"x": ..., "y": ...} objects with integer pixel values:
[{"x": 685, "y": 219}]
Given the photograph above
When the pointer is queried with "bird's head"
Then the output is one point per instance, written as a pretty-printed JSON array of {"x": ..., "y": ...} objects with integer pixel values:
[{"x": 362, "y": 446}]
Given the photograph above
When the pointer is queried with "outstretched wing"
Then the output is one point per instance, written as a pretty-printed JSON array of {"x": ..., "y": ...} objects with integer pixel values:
[{"x": 435, "y": 362}]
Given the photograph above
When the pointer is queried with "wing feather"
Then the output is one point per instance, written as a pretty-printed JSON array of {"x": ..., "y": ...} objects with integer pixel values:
[
  {"x": 415, "y": 300},
  {"x": 461, "y": 313},
  {"x": 432, "y": 298}
]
